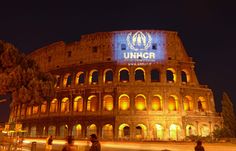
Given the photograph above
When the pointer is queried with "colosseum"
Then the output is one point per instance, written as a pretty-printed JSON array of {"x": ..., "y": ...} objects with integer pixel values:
[{"x": 121, "y": 85}]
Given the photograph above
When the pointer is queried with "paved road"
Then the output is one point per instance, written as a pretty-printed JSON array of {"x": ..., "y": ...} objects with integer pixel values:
[{"x": 134, "y": 146}]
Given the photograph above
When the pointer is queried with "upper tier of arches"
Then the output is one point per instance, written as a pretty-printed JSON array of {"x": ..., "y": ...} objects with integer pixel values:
[{"x": 124, "y": 75}]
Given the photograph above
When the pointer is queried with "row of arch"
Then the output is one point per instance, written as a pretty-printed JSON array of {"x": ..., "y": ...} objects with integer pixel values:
[
  {"x": 123, "y": 76},
  {"x": 91, "y": 104},
  {"x": 125, "y": 131}
]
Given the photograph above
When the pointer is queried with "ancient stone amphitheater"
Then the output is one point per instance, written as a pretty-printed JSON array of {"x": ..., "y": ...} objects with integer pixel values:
[{"x": 121, "y": 85}]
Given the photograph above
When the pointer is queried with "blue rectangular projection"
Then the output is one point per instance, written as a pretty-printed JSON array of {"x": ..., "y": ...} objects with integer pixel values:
[{"x": 139, "y": 47}]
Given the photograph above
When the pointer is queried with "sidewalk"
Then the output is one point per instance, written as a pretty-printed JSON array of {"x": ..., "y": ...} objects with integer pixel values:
[{"x": 130, "y": 146}]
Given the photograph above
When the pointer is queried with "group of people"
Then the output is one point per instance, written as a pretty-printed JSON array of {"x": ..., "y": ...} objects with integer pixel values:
[
  {"x": 69, "y": 146},
  {"x": 96, "y": 146}
]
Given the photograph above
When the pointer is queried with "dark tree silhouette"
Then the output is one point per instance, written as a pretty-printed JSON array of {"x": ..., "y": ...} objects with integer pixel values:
[
  {"x": 21, "y": 78},
  {"x": 228, "y": 116}
]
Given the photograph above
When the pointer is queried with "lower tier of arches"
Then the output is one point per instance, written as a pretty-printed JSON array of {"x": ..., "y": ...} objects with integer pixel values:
[{"x": 123, "y": 128}]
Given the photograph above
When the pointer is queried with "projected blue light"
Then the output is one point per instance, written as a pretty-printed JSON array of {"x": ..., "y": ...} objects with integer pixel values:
[{"x": 133, "y": 47}]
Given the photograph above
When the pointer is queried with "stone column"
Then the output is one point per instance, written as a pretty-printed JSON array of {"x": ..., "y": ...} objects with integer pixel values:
[
  {"x": 210, "y": 126},
  {"x": 163, "y": 74},
  {"x": 197, "y": 128},
  {"x": 100, "y": 99},
  {"x": 165, "y": 102},
  {"x": 71, "y": 101},
  {"x": 132, "y": 131},
  {"x": 84, "y": 129},
  {"x": 99, "y": 130},
  {"x": 166, "y": 132},
  {"x": 116, "y": 131}
]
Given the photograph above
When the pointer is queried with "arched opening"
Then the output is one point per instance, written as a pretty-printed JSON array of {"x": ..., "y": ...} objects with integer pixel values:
[
  {"x": 170, "y": 75},
  {"x": 183, "y": 77},
  {"x": 35, "y": 109},
  {"x": 108, "y": 76},
  {"x": 29, "y": 109},
  {"x": 155, "y": 75},
  {"x": 140, "y": 102},
  {"x": 67, "y": 80},
  {"x": 140, "y": 132},
  {"x": 44, "y": 132},
  {"x": 172, "y": 103},
  {"x": 52, "y": 130},
  {"x": 77, "y": 131},
  {"x": 18, "y": 110},
  {"x": 63, "y": 131},
  {"x": 175, "y": 132},
  {"x": 80, "y": 78},
  {"x": 44, "y": 107},
  {"x": 158, "y": 132},
  {"x": 23, "y": 108},
  {"x": 204, "y": 130},
  {"x": 124, "y": 131},
  {"x": 93, "y": 77},
  {"x": 124, "y": 75},
  {"x": 92, "y": 129},
  {"x": 156, "y": 103},
  {"x": 216, "y": 127},
  {"x": 57, "y": 83},
  {"x": 124, "y": 102},
  {"x": 78, "y": 104},
  {"x": 191, "y": 130},
  {"x": 202, "y": 104},
  {"x": 92, "y": 103},
  {"x": 33, "y": 131},
  {"x": 65, "y": 105},
  {"x": 53, "y": 105},
  {"x": 188, "y": 103},
  {"x": 107, "y": 103},
  {"x": 107, "y": 132},
  {"x": 26, "y": 130},
  {"x": 139, "y": 74}
]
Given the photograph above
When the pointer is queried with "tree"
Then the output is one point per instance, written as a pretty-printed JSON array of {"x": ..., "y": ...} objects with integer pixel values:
[
  {"x": 228, "y": 116},
  {"x": 221, "y": 133},
  {"x": 21, "y": 77}
]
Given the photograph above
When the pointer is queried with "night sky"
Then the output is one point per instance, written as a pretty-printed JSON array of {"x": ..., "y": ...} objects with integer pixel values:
[{"x": 207, "y": 29}]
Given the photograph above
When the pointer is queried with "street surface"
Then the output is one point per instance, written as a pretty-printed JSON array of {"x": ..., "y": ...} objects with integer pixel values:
[{"x": 131, "y": 146}]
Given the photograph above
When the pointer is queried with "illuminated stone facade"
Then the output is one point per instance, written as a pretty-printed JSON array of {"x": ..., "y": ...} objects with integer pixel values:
[{"x": 98, "y": 92}]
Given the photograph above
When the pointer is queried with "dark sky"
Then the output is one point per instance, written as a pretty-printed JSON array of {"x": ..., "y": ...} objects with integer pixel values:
[{"x": 206, "y": 27}]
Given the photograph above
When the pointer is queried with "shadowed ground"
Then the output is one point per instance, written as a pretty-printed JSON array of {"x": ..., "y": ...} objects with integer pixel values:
[{"x": 132, "y": 146}]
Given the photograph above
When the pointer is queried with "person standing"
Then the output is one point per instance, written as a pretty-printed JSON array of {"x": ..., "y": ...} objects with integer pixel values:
[
  {"x": 96, "y": 146},
  {"x": 69, "y": 146},
  {"x": 49, "y": 143},
  {"x": 199, "y": 146}
]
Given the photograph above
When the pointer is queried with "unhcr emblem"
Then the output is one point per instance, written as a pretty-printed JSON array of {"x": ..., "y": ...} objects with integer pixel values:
[
  {"x": 136, "y": 42},
  {"x": 139, "y": 41}
]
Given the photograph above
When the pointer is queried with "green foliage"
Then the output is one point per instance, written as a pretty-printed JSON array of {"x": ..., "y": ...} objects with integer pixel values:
[
  {"x": 228, "y": 116},
  {"x": 222, "y": 133},
  {"x": 20, "y": 76},
  {"x": 195, "y": 138}
]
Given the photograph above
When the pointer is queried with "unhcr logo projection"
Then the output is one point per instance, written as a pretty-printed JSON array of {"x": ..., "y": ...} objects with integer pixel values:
[{"x": 139, "y": 47}]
